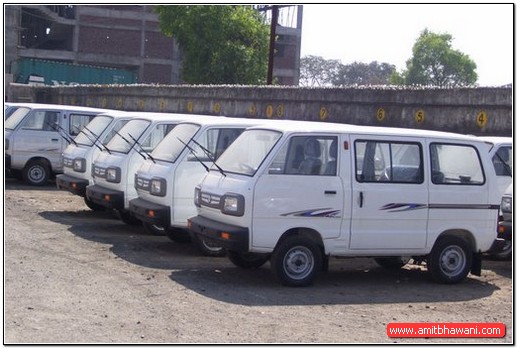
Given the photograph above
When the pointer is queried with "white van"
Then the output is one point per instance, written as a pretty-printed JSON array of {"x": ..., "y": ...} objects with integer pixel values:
[
  {"x": 501, "y": 153},
  {"x": 299, "y": 192},
  {"x": 165, "y": 186},
  {"x": 87, "y": 145},
  {"x": 113, "y": 172},
  {"x": 37, "y": 134}
]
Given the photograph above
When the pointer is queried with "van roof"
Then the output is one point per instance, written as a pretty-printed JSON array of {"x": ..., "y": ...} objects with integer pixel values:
[
  {"x": 227, "y": 121},
  {"x": 162, "y": 116},
  {"x": 497, "y": 140},
  {"x": 293, "y": 126}
]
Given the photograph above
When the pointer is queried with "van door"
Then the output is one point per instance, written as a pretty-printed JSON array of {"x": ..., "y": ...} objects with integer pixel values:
[
  {"x": 37, "y": 136},
  {"x": 301, "y": 189},
  {"x": 390, "y": 195}
]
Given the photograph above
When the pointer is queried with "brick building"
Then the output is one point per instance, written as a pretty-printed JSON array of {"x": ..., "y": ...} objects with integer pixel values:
[{"x": 123, "y": 37}]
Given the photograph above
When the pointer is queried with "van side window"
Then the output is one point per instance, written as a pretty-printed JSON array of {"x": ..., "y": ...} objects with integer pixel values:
[
  {"x": 42, "y": 120},
  {"x": 78, "y": 121},
  {"x": 392, "y": 162},
  {"x": 503, "y": 161},
  {"x": 455, "y": 164},
  {"x": 307, "y": 155}
]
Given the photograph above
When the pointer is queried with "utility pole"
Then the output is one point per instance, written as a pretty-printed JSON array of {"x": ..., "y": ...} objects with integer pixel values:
[{"x": 273, "y": 25}]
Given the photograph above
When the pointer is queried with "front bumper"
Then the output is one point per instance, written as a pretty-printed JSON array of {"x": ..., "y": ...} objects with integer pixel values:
[
  {"x": 72, "y": 184},
  {"x": 150, "y": 212},
  {"x": 505, "y": 230},
  {"x": 231, "y": 237},
  {"x": 105, "y": 197}
]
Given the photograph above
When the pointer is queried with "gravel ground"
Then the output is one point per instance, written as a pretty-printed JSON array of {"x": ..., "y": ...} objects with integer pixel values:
[{"x": 72, "y": 276}]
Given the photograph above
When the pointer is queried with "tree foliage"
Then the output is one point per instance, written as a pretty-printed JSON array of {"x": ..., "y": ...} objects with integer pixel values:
[
  {"x": 357, "y": 73},
  {"x": 435, "y": 62},
  {"x": 317, "y": 71},
  {"x": 221, "y": 44}
]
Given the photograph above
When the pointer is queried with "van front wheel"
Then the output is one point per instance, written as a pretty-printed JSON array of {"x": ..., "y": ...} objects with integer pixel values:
[
  {"x": 296, "y": 261},
  {"x": 450, "y": 260},
  {"x": 36, "y": 172}
]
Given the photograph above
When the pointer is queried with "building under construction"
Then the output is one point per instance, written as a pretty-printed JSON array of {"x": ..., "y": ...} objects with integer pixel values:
[{"x": 121, "y": 44}]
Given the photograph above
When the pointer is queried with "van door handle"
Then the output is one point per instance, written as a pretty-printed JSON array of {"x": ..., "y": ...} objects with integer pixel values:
[
  {"x": 361, "y": 199},
  {"x": 54, "y": 139},
  {"x": 330, "y": 192}
]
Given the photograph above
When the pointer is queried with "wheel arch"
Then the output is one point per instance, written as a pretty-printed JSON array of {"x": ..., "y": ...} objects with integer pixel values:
[
  {"x": 461, "y": 233},
  {"x": 311, "y": 234}
]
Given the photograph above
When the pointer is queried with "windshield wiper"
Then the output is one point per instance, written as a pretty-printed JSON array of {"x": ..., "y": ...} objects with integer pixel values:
[
  {"x": 210, "y": 156},
  {"x": 130, "y": 144},
  {"x": 87, "y": 136},
  {"x": 193, "y": 152},
  {"x": 61, "y": 131},
  {"x": 142, "y": 148}
]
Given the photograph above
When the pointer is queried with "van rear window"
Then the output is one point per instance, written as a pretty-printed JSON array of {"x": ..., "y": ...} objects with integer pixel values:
[{"x": 456, "y": 164}]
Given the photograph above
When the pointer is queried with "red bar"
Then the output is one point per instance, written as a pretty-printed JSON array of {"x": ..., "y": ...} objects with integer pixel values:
[{"x": 446, "y": 329}]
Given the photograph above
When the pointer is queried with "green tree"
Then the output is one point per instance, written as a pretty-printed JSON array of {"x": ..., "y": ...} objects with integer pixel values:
[
  {"x": 221, "y": 44},
  {"x": 318, "y": 71},
  {"x": 435, "y": 62},
  {"x": 357, "y": 73}
]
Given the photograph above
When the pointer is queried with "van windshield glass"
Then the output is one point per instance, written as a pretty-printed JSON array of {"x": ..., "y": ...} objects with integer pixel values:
[
  {"x": 16, "y": 117},
  {"x": 123, "y": 141},
  {"x": 91, "y": 132},
  {"x": 170, "y": 148},
  {"x": 246, "y": 154}
]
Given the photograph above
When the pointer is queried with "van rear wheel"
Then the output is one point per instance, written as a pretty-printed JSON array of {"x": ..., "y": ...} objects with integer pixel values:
[
  {"x": 450, "y": 260},
  {"x": 296, "y": 261},
  {"x": 36, "y": 172}
]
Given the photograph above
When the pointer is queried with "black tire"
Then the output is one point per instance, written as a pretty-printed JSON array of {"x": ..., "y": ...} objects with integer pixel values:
[
  {"x": 392, "y": 263},
  {"x": 128, "y": 218},
  {"x": 154, "y": 229},
  {"x": 208, "y": 247},
  {"x": 247, "y": 260},
  {"x": 93, "y": 206},
  {"x": 505, "y": 254},
  {"x": 449, "y": 262},
  {"x": 178, "y": 235},
  {"x": 36, "y": 173},
  {"x": 296, "y": 261}
]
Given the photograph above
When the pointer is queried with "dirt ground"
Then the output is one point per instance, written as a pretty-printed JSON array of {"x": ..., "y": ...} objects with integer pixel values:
[{"x": 72, "y": 275}]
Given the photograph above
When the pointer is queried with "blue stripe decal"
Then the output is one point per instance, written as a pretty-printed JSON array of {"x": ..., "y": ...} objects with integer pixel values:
[
  {"x": 319, "y": 212},
  {"x": 400, "y": 207}
]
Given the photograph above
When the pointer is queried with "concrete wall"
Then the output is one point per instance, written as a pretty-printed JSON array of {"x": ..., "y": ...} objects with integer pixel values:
[{"x": 478, "y": 111}]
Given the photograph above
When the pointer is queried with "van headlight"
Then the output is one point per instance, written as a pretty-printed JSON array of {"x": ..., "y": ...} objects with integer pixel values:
[
  {"x": 79, "y": 165},
  {"x": 157, "y": 186},
  {"x": 233, "y": 204},
  {"x": 113, "y": 174},
  {"x": 507, "y": 204}
]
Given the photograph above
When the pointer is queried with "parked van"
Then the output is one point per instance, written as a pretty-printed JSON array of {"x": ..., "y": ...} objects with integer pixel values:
[
  {"x": 87, "y": 145},
  {"x": 113, "y": 171},
  {"x": 501, "y": 153},
  {"x": 165, "y": 186},
  {"x": 296, "y": 193},
  {"x": 37, "y": 134}
]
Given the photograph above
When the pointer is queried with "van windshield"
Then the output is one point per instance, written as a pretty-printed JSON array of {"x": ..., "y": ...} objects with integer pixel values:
[
  {"x": 124, "y": 140},
  {"x": 170, "y": 148},
  {"x": 91, "y": 132},
  {"x": 246, "y": 154},
  {"x": 16, "y": 117}
]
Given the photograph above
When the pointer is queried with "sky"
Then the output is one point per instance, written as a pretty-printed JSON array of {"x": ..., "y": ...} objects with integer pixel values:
[{"x": 387, "y": 32}]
